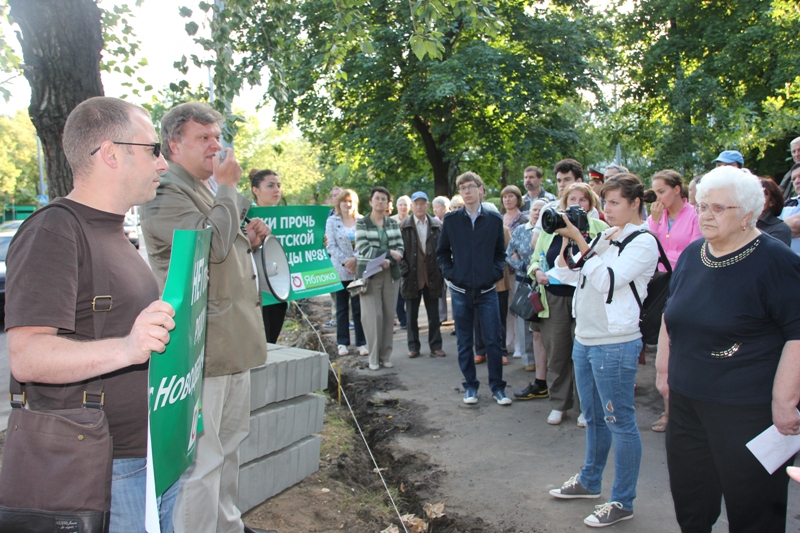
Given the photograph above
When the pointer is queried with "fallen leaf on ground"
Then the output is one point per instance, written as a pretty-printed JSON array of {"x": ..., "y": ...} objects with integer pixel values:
[
  {"x": 434, "y": 511},
  {"x": 391, "y": 529},
  {"x": 417, "y": 525}
]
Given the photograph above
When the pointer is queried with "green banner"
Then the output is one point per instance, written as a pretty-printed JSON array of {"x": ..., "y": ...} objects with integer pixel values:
[
  {"x": 176, "y": 376},
  {"x": 301, "y": 230}
]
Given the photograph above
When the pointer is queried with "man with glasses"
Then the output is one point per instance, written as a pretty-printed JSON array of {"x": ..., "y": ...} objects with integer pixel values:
[
  {"x": 198, "y": 190},
  {"x": 471, "y": 255},
  {"x": 52, "y": 294}
]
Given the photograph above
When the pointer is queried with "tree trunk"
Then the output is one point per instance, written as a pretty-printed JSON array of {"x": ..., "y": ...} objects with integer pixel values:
[
  {"x": 61, "y": 46},
  {"x": 439, "y": 161}
]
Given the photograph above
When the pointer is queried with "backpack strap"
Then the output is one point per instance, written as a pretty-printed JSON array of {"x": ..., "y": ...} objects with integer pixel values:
[
  {"x": 662, "y": 259},
  {"x": 93, "y": 395}
]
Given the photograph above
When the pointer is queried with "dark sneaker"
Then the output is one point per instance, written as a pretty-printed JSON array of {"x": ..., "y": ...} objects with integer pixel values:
[
  {"x": 470, "y": 396},
  {"x": 501, "y": 398},
  {"x": 572, "y": 490},
  {"x": 607, "y": 514},
  {"x": 531, "y": 392}
]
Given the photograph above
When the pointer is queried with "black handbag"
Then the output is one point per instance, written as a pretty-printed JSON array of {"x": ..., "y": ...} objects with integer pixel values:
[
  {"x": 56, "y": 471},
  {"x": 522, "y": 306}
]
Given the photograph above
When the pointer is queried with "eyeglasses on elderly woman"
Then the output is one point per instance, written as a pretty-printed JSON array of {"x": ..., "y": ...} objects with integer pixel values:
[{"x": 716, "y": 209}]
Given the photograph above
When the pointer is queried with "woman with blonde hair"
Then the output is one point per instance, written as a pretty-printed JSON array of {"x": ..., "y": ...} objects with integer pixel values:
[
  {"x": 557, "y": 323},
  {"x": 340, "y": 231}
]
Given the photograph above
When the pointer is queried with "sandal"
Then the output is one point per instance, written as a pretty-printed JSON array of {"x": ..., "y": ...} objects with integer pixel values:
[{"x": 660, "y": 425}]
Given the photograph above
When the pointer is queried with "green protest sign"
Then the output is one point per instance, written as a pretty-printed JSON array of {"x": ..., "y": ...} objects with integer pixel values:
[
  {"x": 301, "y": 230},
  {"x": 176, "y": 375}
]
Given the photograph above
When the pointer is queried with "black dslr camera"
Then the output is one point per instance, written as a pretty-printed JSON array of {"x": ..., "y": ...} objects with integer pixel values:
[{"x": 551, "y": 219}]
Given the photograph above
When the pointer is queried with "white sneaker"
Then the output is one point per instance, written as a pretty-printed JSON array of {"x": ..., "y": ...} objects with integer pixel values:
[
  {"x": 516, "y": 355},
  {"x": 387, "y": 364},
  {"x": 363, "y": 350},
  {"x": 581, "y": 421},
  {"x": 343, "y": 350},
  {"x": 374, "y": 367},
  {"x": 555, "y": 417}
]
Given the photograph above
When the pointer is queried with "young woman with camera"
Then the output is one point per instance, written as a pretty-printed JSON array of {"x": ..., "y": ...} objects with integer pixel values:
[
  {"x": 557, "y": 324},
  {"x": 607, "y": 344}
]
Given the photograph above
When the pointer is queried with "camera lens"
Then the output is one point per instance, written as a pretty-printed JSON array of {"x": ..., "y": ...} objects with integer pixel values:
[{"x": 551, "y": 220}]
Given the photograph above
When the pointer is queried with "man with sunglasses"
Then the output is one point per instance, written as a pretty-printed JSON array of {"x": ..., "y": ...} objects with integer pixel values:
[
  {"x": 53, "y": 296},
  {"x": 198, "y": 190}
]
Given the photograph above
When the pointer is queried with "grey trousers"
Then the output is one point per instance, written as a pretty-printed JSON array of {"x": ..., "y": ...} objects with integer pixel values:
[
  {"x": 377, "y": 316},
  {"x": 558, "y": 334},
  {"x": 207, "y": 501}
]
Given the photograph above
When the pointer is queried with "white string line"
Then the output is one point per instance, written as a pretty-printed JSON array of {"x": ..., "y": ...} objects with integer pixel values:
[{"x": 358, "y": 426}]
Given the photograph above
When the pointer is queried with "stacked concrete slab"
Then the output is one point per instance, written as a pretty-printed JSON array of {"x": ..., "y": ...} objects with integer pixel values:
[{"x": 285, "y": 414}]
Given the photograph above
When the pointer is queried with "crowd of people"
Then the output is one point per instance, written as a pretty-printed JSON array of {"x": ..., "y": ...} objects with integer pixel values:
[
  {"x": 728, "y": 352},
  {"x": 726, "y": 373}
]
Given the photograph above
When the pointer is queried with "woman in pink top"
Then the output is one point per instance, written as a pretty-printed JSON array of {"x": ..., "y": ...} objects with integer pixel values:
[
  {"x": 671, "y": 218},
  {"x": 674, "y": 221}
]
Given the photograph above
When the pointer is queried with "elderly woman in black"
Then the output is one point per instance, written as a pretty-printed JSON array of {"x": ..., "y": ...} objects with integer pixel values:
[{"x": 729, "y": 360}]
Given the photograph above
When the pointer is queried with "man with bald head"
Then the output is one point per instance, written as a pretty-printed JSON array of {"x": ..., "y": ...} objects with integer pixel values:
[{"x": 53, "y": 295}]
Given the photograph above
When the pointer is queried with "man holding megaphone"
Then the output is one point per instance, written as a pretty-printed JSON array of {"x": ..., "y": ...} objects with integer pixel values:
[{"x": 198, "y": 191}]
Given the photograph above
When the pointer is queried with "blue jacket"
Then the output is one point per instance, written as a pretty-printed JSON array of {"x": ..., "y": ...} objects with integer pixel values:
[{"x": 472, "y": 258}]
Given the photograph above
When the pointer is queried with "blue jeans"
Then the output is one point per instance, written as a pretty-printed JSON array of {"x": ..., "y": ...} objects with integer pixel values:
[
  {"x": 128, "y": 481},
  {"x": 604, "y": 375},
  {"x": 487, "y": 308}
]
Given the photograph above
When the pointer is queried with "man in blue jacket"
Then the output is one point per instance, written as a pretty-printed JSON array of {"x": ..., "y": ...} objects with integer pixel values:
[{"x": 471, "y": 255}]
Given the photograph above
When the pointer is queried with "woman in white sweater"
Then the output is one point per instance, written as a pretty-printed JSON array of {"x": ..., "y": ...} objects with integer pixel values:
[{"x": 607, "y": 345}]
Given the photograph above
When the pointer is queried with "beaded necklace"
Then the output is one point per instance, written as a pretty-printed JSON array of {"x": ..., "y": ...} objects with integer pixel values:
[{"x": 711, "y": 263}]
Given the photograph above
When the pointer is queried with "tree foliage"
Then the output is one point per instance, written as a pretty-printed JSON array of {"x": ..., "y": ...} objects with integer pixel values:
[
  {"x": 62, "y": 45},
  {"x": 286, "y": 152},
  {"x": 474, "y": 92},
  {"x": 19, "y": 169},
  {"x": 707, "y": 76}
]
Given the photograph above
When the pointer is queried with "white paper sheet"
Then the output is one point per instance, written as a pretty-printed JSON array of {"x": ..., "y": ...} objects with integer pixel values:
[
  {"x": 374, "y": 266},
  {"x": 773, "y": 449},
  {"x": 152, "y": 521}
]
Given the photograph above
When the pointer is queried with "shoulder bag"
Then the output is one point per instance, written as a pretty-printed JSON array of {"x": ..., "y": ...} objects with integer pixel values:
[{"x": 56, "y": 471}]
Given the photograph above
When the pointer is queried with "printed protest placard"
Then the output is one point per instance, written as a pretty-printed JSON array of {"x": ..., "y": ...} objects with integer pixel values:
[{"x": 301, "y": 230}]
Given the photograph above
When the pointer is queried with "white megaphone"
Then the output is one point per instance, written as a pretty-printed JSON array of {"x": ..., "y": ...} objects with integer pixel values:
[{"x": 273, "y": 269}]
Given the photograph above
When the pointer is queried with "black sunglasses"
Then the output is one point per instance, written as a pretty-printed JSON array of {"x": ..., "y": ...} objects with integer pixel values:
[{"x": 155, "y": 146}]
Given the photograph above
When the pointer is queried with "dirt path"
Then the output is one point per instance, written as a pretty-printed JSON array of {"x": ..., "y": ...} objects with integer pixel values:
[{"x": 490, "y": 465}]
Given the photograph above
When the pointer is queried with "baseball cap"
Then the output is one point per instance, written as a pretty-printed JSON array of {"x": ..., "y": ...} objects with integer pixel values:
[
  {"x": 419, "y": 194},
  {"x": 729, "y": 156}
]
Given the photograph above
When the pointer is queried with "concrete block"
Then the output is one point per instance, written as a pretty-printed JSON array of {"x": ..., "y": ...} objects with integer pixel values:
[
  {"x": 263, "y": 478},
  {"x": 272, "y": 382},
  {"x": 291, "y": 377},
  {"x": 249, "y": 448},
  {"x": 302, "y": 410},
  {"x": 268, "y": 429},
  {"x": 280, "y": 392},
  {"x": 280, "y": 426},
  {"x": 258, "y": 387},
  {"x": 324, "y": 366},
  {"x": 317, "y": 414}
]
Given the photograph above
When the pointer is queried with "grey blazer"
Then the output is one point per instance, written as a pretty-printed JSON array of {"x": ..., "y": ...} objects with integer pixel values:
[{"x": 235, "y": 337}]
